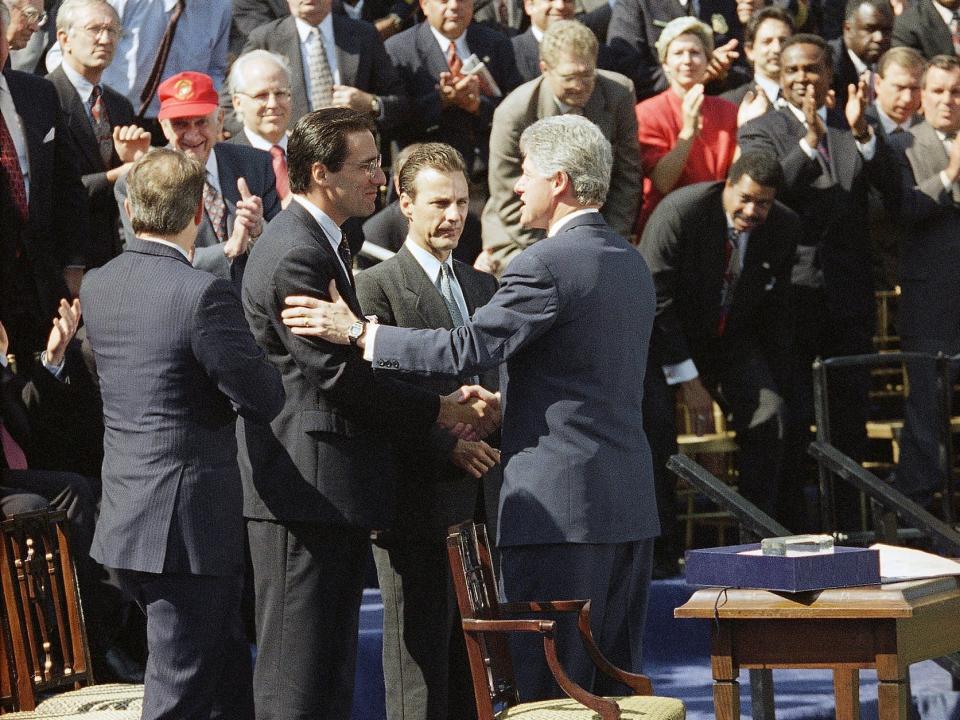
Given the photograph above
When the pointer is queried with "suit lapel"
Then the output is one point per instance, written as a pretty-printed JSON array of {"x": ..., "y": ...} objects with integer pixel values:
[
  {"x": 290, "y": 48},
  {"x": 348, "y": 54},
  {"x": 27, "y": 110},
  {"x": 227, "y": 175},
  {"x": 424, "y": 296},
  {"x": 344, "y": 285},
  {"x": 76, "y": 120},
  {"x": 596, "y": 109},
  {"x": 843, "y": 150},
  {"x": 546, "y": 102},
  {"x": 430, "y": 50}
]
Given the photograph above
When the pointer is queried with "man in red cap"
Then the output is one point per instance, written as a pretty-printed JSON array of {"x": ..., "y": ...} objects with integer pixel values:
[{"x": 240, "y": 192}]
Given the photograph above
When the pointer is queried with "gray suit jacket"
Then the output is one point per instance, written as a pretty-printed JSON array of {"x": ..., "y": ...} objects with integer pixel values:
[
  {"x": 233, "y": 162},
  {"x": 611, "y": 108},
  {"x": 570, "y": 327},
  {"x": 176, "y": 364},
  {"x": 432, "y": 493}
]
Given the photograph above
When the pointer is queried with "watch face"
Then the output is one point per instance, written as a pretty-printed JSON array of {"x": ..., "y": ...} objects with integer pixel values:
[{"x": 355, "y": 330}]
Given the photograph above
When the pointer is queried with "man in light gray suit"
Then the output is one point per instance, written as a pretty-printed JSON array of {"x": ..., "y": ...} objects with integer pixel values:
[
  {"x": 929, "y": 312},
  {"x": 570, "y": 328}
]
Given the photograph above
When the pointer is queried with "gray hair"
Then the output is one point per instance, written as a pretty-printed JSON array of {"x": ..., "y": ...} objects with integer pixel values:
[
  {"x": 573, "y": 145},
  {"x": 164, "y": 189},
  {"x": 68, "y": 12},
  {"x": 238, "y": 69},
  {"x": 685, "y": 25}
]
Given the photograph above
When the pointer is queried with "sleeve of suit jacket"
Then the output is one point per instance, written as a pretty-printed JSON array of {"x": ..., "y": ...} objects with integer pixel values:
[
  {"x": 523, "y": 309},
  {"x": 222, "y": 342},
  {"x": 631, "y": 50},
  {"x": 762, "y": 134}
]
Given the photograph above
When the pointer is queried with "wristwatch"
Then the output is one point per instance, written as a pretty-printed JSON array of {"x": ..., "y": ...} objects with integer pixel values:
[
  {"x": 356, "y": 331},
  {"x": 375, "y": 105}
]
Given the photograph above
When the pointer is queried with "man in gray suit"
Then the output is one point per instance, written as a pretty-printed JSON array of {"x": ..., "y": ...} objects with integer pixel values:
[
  {"x": 176, "y": 364},
  {"x": 929, "y": 312},
  {"x": 571, "y": 322},
  {"x": 570, "y": 83},
  {"x": 440, "y": 482}
]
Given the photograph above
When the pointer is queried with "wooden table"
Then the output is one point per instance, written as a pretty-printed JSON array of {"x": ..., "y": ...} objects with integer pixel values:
[{"x": 882, "y": 627}]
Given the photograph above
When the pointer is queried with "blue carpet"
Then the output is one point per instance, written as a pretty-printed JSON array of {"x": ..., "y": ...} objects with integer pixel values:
[{"x": 677, "y": 659}]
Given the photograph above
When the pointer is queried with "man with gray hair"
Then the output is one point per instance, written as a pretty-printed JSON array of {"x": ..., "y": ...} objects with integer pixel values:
[
  {"x": 570, "y": 83},
  {"x": 570, "y": 328}
]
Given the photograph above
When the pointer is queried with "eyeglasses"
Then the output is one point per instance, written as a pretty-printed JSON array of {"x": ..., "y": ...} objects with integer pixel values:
[
  {"x": 32, "y": 15},
  {"x": 264, "y": 97},
  {"x": 112, "y": 31},
  {"x": 372, "y": 167}
]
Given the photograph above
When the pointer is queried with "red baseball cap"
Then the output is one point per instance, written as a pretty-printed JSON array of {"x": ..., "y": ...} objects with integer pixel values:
[{"x": 187, "y": 94}]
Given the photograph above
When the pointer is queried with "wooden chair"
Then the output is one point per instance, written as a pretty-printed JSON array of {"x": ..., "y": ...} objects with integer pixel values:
[
  {"x": 486, "y": 624},
  {"x": 41, "y": 608}
]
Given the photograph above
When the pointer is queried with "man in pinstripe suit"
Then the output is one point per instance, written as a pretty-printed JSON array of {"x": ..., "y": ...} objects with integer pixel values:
[{"x": 176, "y": 364}]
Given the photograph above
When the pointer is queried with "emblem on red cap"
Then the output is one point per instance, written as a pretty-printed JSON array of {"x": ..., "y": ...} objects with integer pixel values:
[{"x": 183, "y": 90}]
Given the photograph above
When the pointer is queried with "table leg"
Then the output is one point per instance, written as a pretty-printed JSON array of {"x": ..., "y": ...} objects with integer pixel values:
[
  {"x": 893, "y": 688},
  {"x": 761, "y": 695},
  {"x": 726, "y": 688},
  {"x": 846, "y": 692}
]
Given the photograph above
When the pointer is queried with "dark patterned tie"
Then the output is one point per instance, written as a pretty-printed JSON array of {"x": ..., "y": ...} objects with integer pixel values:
[
  {"x": 731, "y": 273},
  {"x": 11, "y": 166},
  {"x": 343, "y": 250},
  {"x": 456, "y": 317},
  {"x": 101, "y": 125},
  {"x": 216, "y": 211}
]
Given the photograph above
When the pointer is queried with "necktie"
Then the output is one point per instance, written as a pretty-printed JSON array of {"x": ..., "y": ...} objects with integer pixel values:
[
  {"x": 16, "y": 459},
  {"x": 101, "y": 125},
  {"x": 216, "y": 211},
  {"x": 280, "y": 171},
  {"x": 321, "y": 79},
  {"x": 955, "y": 31},
  {"x": 869, "y": 77},
  {"x": 447, "y": 292},
  {"x": 731, "y": 273},
  {"x": 153, "y": 80},
  {"x": 504, "y": 12},
  {"x": 11, "y": 167},
  {"x": 897, "y": 130},
  {"x": 343, "y": 250},
  {"x": 453, "y": 60}
]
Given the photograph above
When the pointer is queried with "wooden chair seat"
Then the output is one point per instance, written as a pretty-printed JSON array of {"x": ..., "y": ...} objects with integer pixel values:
[
  {"x": 95, "y": 702},
  {"x": 632, "y": 707}
]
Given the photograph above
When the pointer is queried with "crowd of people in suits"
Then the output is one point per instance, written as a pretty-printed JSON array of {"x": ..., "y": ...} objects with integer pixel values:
[{"x": 772, "y": 162}]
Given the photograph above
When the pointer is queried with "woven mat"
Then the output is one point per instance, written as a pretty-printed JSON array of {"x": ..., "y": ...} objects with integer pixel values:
[{"x": 97, "y": 702}]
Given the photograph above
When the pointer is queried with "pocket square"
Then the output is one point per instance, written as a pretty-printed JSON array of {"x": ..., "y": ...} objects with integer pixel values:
[{"x": 50, "y": 135}]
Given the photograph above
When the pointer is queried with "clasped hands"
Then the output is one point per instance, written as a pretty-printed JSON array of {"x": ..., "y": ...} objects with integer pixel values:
[
  {"x": 460, "y": 90},
  {"x": 470, "y": 413}
]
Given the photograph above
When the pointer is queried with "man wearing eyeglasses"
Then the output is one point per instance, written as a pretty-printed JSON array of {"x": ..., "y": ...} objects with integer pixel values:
[
  {"x": 260, "y": 88},
  {"x": 88, "y": 31},
  {"x": 26, "y": 17},
  {"x": 240, "y": 193}
]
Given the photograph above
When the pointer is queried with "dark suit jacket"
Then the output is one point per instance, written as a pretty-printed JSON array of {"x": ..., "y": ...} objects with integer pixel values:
[
  {"x": 930, "y": 252},
  {"x": 844, "y": 71},
  {"x": 388, "y": 228},
  {"x": 635, "y": 27},
  {"x": 417, "y": 56},
  {"x": 571, "y": 323},
  {"x": 326, "y": 457},
  {"x": 684, "y": 246},
  {"x": 233, "y": 161},
  {"x": 432, "y": 493},
  {"x": 176, "y": 364},
  {"x": 361, "y": 60},
  {"x": 53, "y": 235},
  {"x": 922, "y": 28},
  {"x": 832, "y": 210},
  {"x": 526, "y": 51},
  {"x": 103, "y": 242}
]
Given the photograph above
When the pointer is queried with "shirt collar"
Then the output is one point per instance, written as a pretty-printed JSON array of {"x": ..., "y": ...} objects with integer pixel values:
[
  {"x": 798, "y": 113},
  {"x": 354, "y": 11},
  {"x": 859, "y": 65},
  {"x": 325, "y": 27},
  {"x": 213, "y": 172},
  {"x": 83, "y": 86},
  {"x": 770, "y": 87},
  {"x": 323, "y": 220},
  {"x": 429, "y": 263},
  {"x": 169, "y": 244},
  {"x": 562, "y": 222},
  {"x": 537, "y": 33},
  {"x": 887, "y": 123},
  {"x": 444, "y": 41},
  {"x": 261, "y": 143}
]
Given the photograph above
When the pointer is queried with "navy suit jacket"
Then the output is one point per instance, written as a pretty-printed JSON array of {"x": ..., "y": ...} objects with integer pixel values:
[
  {"x": 176, "y": 363},
  {"x": 326, "y": 457},
  {"x": 571, "y": 322},
  {"x": 103, "y": 241},
  {"x": 233, "y": 161},
  {"x": 526, "y": 51},
  {"x": 417, "y": 56}
]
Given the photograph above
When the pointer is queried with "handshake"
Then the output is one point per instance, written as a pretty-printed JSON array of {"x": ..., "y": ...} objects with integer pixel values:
[{"x": 470, "y": 413}]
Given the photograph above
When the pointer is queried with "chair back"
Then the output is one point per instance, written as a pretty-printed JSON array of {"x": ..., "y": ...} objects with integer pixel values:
[
  {"x": 45, "y": 640},
  {"x": 471, "y": 567}
]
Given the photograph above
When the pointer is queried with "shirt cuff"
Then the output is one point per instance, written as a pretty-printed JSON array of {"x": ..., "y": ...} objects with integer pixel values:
[
  {"x": 55, "y": 370},
  {"x": 681, "y": 372},
  {"x": 3, "y": 361},
  {"x": 807, "y": 150},
  {"x": 947, "y": 185},
  {"x": 869, "y": 148},
  {"x": 369, "y": 338}
]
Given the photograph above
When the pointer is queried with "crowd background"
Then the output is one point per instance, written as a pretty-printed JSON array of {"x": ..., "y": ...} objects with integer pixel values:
[{"x": 847, "y": 111}]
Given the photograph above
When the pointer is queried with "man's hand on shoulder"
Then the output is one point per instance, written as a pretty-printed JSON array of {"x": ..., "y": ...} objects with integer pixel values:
[{"x": 311, "y": 317}]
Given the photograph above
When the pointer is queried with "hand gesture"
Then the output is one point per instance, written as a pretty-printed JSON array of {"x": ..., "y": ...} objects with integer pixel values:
[
  {"x": 690, "y": 111},
  {"x": 475, "y": 458},
  {"x": 487, "y": 263},
  {"x": 351, "y": 97},
  {"x": 754, "y": 104},
  {"x": 64, "y": 328},
  {"x": 131, "y": 142},
  {"x": 462, "y": 91},
  {"x": 815, "y": 127},
  {"x": 311, "y": 317},
  {"x": 953, "y": 161},
  {"x": 855, "y": 110},
  {"x": 248, "y": 222},
  {"x": 720, "y": 61},
  {"x": 699, "y": 404}
]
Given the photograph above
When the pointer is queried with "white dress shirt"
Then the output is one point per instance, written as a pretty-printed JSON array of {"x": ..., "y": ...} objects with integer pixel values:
[
  {"x": 431, "y": 266},
  {"x": 461, "y": 42},
  {"x": 15, "y": 126},
  {"x": 330, "y": 228},
  {"x": 261, "y": 143}
]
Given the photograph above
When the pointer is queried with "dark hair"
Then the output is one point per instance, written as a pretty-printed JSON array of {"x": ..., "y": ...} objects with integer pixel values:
[
  {"x": 850, "y": 9},
  {"x": 164, "y": 188},
  {"x": 321, "y": 137},
  {"x": 771, "y": 12},
  {"x": 811, "y": 39},
  {"x": 762, "y": 167},
  {"x": 434, "y": 156},
  {"x": 942, "y": 62}
]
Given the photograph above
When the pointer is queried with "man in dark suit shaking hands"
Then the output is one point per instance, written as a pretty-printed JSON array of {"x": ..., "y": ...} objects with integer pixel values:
[
  {"x": 176, "y": 364},
  {"x": 570, "y": 327}
]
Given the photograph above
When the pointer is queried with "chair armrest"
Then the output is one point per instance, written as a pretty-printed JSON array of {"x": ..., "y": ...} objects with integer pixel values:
[
  {"x": 504, "y": 626},
  {"x": 640, "y": 684},
  {"x": 538, "y": 606}
]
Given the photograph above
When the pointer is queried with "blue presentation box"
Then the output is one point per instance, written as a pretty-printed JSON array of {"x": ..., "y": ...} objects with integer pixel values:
[{"x": 727, "y": 567}]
